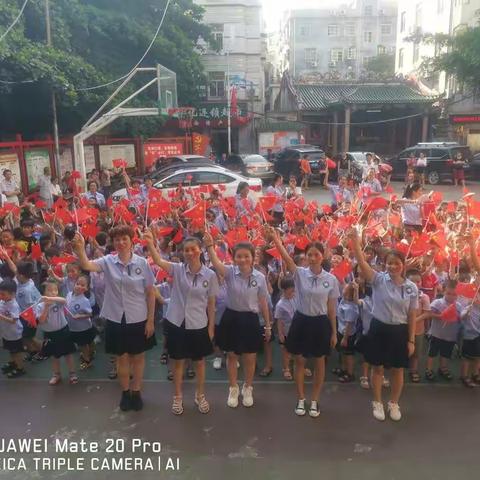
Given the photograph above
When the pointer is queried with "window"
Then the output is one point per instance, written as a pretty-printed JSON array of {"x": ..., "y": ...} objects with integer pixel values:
[
  {"x": 367, "y": 37},
  {"x": 381, "y": 50},
  {"x": 386, "y": 28},
  {"x": 368, "y": 10},
  {"x": 175, "y": 180},
  {"x": 216, "y": 84},
  {"x": 440, "y": 6},
  {"x": 400, "y": 58},
  {"x": 332, "y": 30},
  {"x": 205, "y": 178},
  {"x": 365, "y": 61},
  {"x": 311, "y": 57},
  {"x": 416, "y": 52},
  {"x": 403, "y": 21},
  {"x": 217, "y": 34},
  {"x": 350, "y": 30},
  {"x": 336, "y": 55},
  {"x": 438, "y": 153},
  {"x": 352, "y": 53}
]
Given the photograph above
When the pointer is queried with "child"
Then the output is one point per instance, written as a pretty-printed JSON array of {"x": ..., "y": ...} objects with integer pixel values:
[
  {"x": 347, "y": 317},
  {"x": 306, "y": 172},
  {"x": 79, "y": 317},
  {"x": 284, "y": 312},
  {"x": 443, "y": 335},
  {"x": 11, "y": 329},
  {"x": 58, "y": 342},
  {"x": 471, "y": 345},
  {"x": 422, "y": 314},
  {"x": 28, "y": 295},
  {"x": 67, "y": 282}
]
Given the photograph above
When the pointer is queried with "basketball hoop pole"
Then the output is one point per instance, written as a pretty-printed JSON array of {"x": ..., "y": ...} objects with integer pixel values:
[{"x": 97, "y": 122}]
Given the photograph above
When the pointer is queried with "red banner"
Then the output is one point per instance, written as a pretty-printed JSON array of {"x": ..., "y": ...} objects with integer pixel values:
[
  {"x": 152, "y": 151},
  {"x": 200, "y": 144}
]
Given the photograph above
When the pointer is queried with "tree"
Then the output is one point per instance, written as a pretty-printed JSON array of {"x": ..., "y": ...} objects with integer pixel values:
[
  {"x": 382, "y": 65},
  {"x": 94, "y": 42},
  {"x": 458, "y": 55}
]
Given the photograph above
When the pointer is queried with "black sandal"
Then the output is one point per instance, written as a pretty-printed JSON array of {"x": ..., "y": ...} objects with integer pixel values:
[
  {"x": 346, "y": 378},
  {"x": 429, "y": 375},
  {"x": 265, "y": 372},
  {"x": 337, "y": 371},
  {"x": 164, "y": 358},
  {"x": 190, "y": 373},
  {"x": 170, "y": 375},
  {"x": 16, "y": 372},
  {"x": 445, "y": 373},
  {"x": 415, "y": 377}
]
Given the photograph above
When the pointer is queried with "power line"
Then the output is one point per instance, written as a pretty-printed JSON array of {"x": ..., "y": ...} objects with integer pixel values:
[
  {"x": 137, "y": 64},
  {"x": 5, "y": 33}
]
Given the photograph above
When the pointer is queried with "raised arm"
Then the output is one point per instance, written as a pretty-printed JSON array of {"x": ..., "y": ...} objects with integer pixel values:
[
  {"x": 212, "y": 254},
  {"x": 78, "y": 244},
  {"x": 153, "y": 252},
  {"x": 367, "y": 271},
  {"x": 291, "y": 267}
]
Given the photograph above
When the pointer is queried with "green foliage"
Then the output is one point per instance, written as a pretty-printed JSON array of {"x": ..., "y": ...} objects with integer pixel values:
[
  {"x": 383, "y": 65},
  {"x": 94, "y": 42},
  {"x": 457, "y": 55}
]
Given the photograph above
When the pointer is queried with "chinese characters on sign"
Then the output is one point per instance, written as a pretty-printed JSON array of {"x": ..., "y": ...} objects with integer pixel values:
[{"x": 152, "y": 151}]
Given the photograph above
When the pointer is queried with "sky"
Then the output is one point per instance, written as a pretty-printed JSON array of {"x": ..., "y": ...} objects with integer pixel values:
[{"x": 273, "y": 9}]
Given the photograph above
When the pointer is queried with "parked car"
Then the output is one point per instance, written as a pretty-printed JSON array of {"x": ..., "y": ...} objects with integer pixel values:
[
  {"x": 440, "y": 157},
  {"x": 196, "y": 176},
  {"x": 475, "y": 167},
  {"x": 251, "y": 165},
  {"x": 287, "y": 161}
]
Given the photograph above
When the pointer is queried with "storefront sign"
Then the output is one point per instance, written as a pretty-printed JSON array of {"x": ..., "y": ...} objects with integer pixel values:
[
  {"x": 153, "y": 151},
  {"x": 276, "y": 141},
  {"x": 465, "y": 118}
]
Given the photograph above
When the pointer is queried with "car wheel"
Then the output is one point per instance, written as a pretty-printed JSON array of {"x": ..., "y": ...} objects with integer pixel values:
[{"x": 433, "y": 177}]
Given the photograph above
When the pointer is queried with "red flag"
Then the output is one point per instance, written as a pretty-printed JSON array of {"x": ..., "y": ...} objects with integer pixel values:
[
  {"x": 268, "y": 202},
  {"x": 233, "y": 102},
  {"x": 342, "y": 270},
  {"x": 273, "y": 252},
  {"x": 326, "y": 209},
  {"x": 450, "y": 314},
  {"x": 376, "y": 203},
  {"x": 40, "y": 204},
  {"x": 119, "y": 163},
  {"x": 467, "y": 290},
  {"x": 65, "y": 259},
  {"x": 437, "y": 197},
  {"x": 389, "y": 189},
  {"x": 178, "y": 236},
  {"x": 60, "y": 203},
  {"x": 302, "y": 242},
  {"x": 90, "y": 230},
  {"x": 451, "y": 207},
  {"x": 29, "y": 316},
  {"x": 75, "y": 175},
  {"x": 161, "y": 275},
  {"x": 64, "y": 215},
  {"x": 164, "y": 231},
  {"x": 440, "y": 239},
  {"x": 36, "y": 253},
  {"x": 198, "y": 211}
]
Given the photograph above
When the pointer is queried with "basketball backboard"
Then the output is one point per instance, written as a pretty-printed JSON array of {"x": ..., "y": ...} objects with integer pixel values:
[{"x": 167, "y": 89}]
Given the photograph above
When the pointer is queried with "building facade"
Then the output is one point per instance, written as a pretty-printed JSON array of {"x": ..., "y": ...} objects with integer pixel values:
[
  {"x": 340, "y": 39},
  {"x": 419, "y": 17},
  {"x": 237, "y": 60}
]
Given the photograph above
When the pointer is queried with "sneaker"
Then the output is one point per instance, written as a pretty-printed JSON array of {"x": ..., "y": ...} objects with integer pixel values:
[
  {"x": 125, "y": 401},
  {"x": 386, "y": 382},
  {"x": 217, "y": 363},
  {"x": 314, "y": 412},
  {"x": 136, "y": 402},
  {"x": 73, "y": 379},
  {"x": 233, "y": 393},
  {"x": 247, "y": 394},
  {"x": 16, "y": 372},
  {"x": 364, "y": 383},
  {"x": 300, "y": 408},
  {"x": 378, "y": 411},
  {"x": 55, "y": 380},
  {"x": 394, "y": 411},
  {"x": 112, "y": 374}
]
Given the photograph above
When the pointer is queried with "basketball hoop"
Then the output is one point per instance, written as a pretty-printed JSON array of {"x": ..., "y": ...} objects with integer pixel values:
[{"x": 184, "y": 114}]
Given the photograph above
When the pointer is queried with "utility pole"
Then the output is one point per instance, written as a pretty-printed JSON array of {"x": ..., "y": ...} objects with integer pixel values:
[{"x": 53, "y": 99}]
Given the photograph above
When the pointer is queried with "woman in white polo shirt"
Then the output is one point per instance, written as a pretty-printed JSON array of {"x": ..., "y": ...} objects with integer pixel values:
[
  {"x": 128, "y": 307},
  {"x": 190, "y": 316},
  {"x": 314, "y": 330}
]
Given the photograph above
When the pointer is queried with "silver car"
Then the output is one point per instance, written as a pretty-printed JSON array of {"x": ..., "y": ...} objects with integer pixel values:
[{"x": 251, "y": 165}]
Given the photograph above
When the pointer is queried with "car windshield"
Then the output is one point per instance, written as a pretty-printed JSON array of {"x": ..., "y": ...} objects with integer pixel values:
[
  {"x": 315, "y": 157},
  {"x": 254, "y": 159}
]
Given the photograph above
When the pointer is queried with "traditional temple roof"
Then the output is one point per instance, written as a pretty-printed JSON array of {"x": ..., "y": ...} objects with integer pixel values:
[{"x": 319, "y": 97}]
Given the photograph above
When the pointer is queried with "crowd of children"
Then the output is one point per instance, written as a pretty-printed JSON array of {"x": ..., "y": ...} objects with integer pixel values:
[{"x": 391, "y": 281}]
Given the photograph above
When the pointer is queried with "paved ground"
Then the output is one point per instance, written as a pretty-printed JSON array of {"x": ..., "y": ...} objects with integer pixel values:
[{"x": 438, "y": 437}]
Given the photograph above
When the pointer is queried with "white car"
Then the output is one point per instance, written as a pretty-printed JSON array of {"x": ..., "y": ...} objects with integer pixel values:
[{"x": 197, "y": 176}]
